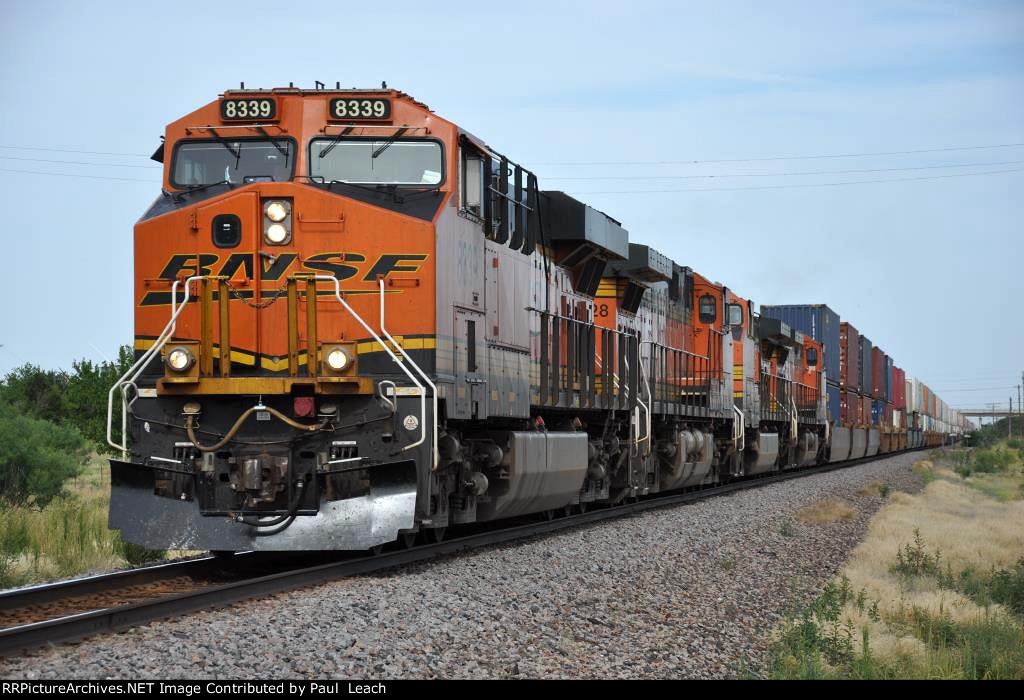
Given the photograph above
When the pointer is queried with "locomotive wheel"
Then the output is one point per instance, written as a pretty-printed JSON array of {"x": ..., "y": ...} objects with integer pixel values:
[
  {"x": 437, "y": 534},
  {"x": 376, "y": 550},
  {"x": 408, "y": 539},
  {"x": 582, "y": 508},
  {"x": 549, "y": 515},
  {"x": 567, "y": 511}
]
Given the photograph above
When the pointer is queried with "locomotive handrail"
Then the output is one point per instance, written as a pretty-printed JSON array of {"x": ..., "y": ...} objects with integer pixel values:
[
  {"x": 128, "y": 378},
  {"x": 739, "y": 430},
  {"x": 618, "y": 383},
  {"x": 391, "y": 354},
  {"x": 648, "y": 421},
  {"x": 433, "y": 387},
  {"x": 140, "y": 364}
]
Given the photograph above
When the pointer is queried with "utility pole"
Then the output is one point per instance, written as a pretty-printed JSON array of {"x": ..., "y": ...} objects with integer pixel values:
[{"x": 1009, "y": 420}]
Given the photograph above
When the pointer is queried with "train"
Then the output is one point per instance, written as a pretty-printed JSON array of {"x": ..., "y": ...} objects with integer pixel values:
[{"x": 356, "y": 324}]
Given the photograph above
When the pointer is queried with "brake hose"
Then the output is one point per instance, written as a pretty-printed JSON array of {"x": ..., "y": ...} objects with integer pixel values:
[{"x": 190, "y": 427}]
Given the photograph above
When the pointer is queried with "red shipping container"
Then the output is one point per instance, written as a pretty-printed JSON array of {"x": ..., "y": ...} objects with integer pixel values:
[
  {"x": 849, "y": 357},
  {"x": 888, "y": 416},
  {"x": 865, "y": 409},
  {"x": 849, "y": 408},
  {"x": 899, "y": 390},
  {"x": 877, "y": 373}
]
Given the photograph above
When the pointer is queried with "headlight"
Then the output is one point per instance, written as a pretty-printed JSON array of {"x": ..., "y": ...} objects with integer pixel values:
[
  {"x": 277, "y": 234},
  {"x": 337, "y": 359},
  {"x": 277, "y": 211},
  {"x": 180, "y": 359}
]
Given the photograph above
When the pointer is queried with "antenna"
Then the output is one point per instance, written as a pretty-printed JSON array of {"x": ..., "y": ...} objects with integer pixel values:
[
  {"x": 319, "y": 85},
  {"x": 241, "y": 85}
]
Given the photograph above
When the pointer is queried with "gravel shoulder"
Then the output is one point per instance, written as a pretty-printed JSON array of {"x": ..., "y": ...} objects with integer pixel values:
[{"x": 684, "y": 592}]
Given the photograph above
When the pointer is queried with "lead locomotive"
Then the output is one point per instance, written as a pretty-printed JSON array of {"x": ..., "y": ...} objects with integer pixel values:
[{"x": 356, "y": 322}]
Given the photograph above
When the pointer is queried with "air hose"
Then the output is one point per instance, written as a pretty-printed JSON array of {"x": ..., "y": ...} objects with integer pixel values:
[{"x": 190, "y": 427}]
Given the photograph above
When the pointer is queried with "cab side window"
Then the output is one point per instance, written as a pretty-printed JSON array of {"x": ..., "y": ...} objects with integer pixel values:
[
  {"x": 707, "y": 309},
  {"x": 472, "y": 190}
]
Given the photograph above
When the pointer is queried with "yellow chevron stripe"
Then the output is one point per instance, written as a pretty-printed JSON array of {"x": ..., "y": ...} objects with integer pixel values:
[{"x": 280, "y": 364}]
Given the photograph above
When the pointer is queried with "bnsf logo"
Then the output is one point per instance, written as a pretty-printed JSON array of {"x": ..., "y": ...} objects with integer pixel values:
[{"x": 342, "y": 266}]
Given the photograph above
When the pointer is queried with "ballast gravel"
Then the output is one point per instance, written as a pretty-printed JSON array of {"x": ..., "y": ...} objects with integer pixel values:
[{"x": 689, "y": 591}]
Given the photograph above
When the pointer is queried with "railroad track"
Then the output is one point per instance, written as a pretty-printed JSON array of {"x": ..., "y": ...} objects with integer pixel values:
[{"x": 70, "y": 610}]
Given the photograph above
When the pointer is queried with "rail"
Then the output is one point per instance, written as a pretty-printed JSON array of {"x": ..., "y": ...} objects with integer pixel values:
[{"x": 117, "y": 617}]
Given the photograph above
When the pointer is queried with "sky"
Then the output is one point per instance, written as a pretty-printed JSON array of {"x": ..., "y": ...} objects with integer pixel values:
[{"x": 702, "y": 127}]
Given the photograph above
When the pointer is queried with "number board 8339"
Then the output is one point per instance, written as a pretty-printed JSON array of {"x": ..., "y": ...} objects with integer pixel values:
[
  {"x": 359, "y": 109},
  {"x": 248, "y": 109}
]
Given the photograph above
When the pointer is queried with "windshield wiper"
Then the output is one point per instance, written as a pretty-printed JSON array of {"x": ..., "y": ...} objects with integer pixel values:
[
  {"x": 189, "y": 189},
  {"x": 224, "y": 142},
  {"x": 386, "y": 189},
  {"x": 387, "y": 144},
  {"x": 376, "y": 189},
  {"x": 280, "y": 149},
  {"x": 337, "y": 139}
]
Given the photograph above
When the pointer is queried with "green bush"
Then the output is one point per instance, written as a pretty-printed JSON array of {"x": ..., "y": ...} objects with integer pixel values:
[
  {"x": 37, "y": 457},
  {"x": 1015, "y": 443},
  {"x": 914, "y": 559},
  {"x": 989, "y": 461},
  {"x": 77, "y": 398}
]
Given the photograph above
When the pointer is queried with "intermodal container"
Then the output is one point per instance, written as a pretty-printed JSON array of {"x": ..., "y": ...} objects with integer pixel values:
[
  {"x": 888, "y": 378},
  {"x": 819, "y": 322},
  {"x": 877, "y": 412},
  {"x": 849, "y": 357},
  {"x": 849, "y": 407},
  {"x": 833, "y": 402},
  {"x": 899, "y": 389},
  {"x": 865, "y": 410},
  {"x": 887, "y": 420},
  {"x": 877, "y": 373},
  {"x": 865, "y": 365}
]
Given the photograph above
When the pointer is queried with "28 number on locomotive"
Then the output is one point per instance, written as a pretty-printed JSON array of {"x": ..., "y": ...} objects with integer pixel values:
[
  {"x": 248, "y": 109},
  {"x": 347, "y": 108}
]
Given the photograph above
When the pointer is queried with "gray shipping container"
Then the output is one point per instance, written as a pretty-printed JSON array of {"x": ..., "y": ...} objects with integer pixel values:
[{"x": 817, "y": 321}]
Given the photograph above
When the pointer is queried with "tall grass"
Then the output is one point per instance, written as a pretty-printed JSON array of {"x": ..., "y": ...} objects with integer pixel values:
[
  {"x": 936, "y": 589},
  {"x": 823, "y": 642},
  {"x": 67, "y": 537}
]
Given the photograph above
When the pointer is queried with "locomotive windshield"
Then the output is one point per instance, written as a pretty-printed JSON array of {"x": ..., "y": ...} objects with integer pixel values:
[
  {"x": 376, "y": 161},
  {"x": 236, "y": 162}
]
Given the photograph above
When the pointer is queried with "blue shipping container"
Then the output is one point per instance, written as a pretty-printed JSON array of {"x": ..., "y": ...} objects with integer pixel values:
[
  {"x": 877, "y": 411},
  {"x": 819, "y": 322},
  {"x": 865, "y": 365},
  {"x": 832, "y": 391}
]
